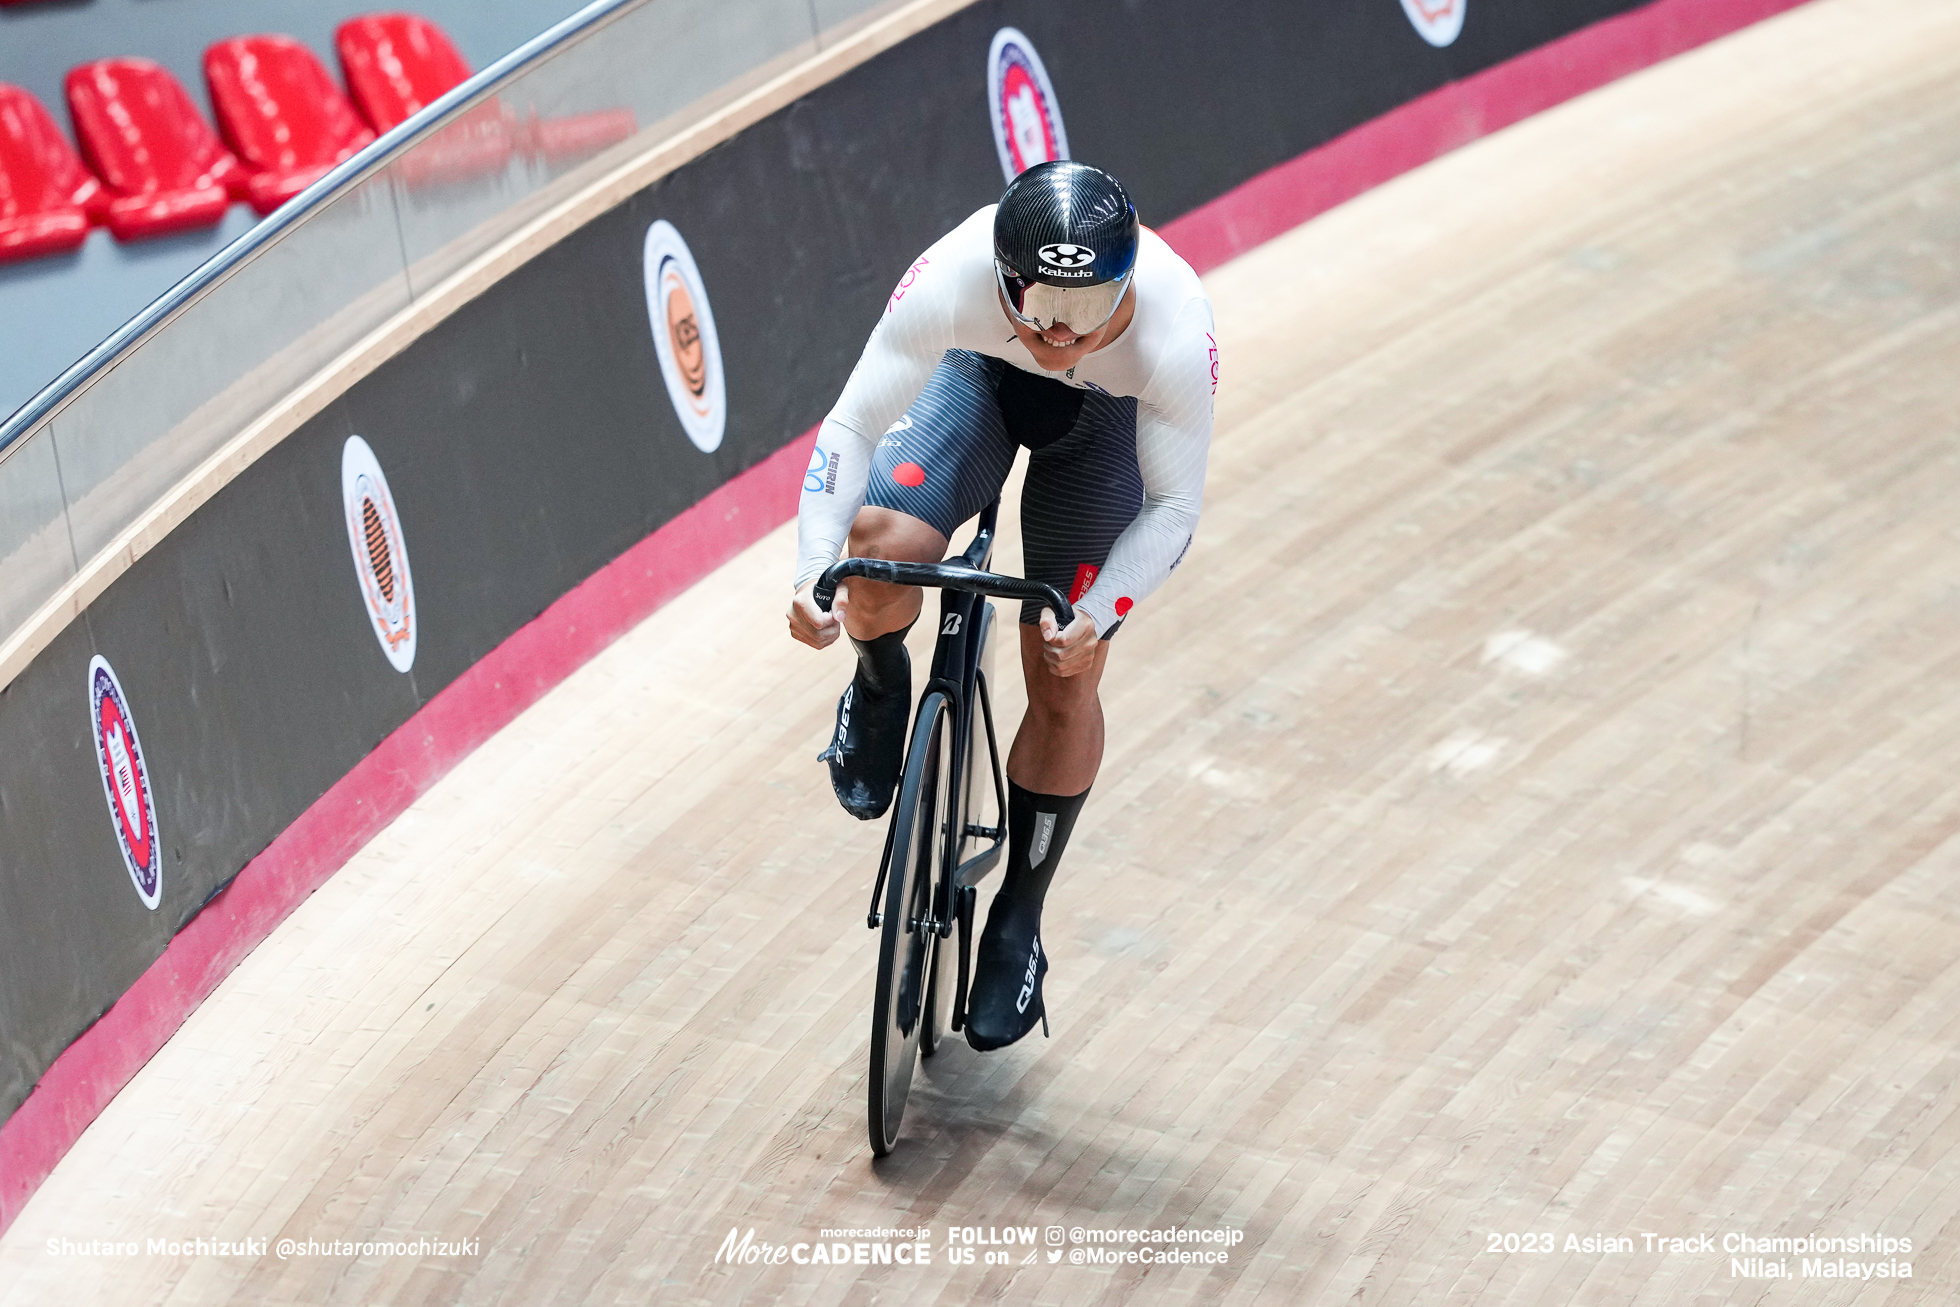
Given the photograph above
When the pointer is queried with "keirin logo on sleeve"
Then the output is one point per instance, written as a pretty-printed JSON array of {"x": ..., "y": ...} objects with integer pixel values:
[
  {"x": 125, "y": 781},
  {"x": 684, "y": 337},
  {"x": 374, "y": 532},
  {"x": 1438, "y": 21},
  {"x": 1027, "y": 120}
]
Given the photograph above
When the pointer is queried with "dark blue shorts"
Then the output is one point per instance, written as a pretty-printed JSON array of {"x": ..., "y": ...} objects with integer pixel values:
[{"x": 947, "y": 458}]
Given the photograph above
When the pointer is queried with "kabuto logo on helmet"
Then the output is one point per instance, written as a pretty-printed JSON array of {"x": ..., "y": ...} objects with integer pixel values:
[
  {"x": 1436, "y": 21},
  {"x": 1027, "y": 120},
  {"x": 1067, "y": 256},
  {"x": 374, "y": 530},
  {"x": 684, "y": 337}
]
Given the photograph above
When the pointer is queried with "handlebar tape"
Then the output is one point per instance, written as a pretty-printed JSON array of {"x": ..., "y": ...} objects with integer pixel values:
[{"x": 944, "y": 576}]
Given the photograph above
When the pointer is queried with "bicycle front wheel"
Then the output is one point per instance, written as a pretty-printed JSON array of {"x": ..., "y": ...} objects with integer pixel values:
[{"x": 906, "y": 941}]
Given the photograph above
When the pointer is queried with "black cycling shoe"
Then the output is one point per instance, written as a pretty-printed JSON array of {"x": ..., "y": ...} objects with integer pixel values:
[
  {"x": 868, "y": 750},
  {"x": 1004, "y": 1002}
]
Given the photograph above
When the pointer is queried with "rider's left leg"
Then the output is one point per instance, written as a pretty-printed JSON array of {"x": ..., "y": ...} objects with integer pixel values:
[{"x": 1050, "y": 768}]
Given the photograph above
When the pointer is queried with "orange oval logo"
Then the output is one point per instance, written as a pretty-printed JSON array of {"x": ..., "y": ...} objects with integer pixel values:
[{"x": 684, "y": 337}]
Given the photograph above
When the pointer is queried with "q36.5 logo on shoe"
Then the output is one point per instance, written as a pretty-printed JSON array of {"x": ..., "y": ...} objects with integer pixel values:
[
  {"x": 684, "y": 337},
  {"x": 1437, "y": 21},
  {"x": 374, "y": 532},
  {"x": 125, "y": 781},
  {"x": 1027, "y": 121},
  {"x": 1063, "y": 255},
  {"x": 1027, "y": 982}
]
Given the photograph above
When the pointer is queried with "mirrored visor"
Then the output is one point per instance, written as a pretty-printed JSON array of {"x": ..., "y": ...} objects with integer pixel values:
[{"x": 1079, "y": 308}]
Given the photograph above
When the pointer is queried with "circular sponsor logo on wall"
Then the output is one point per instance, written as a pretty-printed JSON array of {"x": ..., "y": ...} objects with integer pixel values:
[
  {"x": 684, "y": 337},
  {"x": 125, "y": 780},
  {"x": 1438, "y": 21},
  {"x": 374, "y": 531},
  {"x": 1027, "y": 120}
]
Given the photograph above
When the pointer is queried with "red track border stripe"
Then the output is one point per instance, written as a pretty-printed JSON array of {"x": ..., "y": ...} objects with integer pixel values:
[{"x": 518, "y": 672}]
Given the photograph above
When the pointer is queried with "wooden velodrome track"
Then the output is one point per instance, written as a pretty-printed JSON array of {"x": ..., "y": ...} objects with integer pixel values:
[{"x": 1532, "y": 807}]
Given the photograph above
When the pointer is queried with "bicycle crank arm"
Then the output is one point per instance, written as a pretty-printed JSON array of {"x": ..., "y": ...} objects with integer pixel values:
[{"x": 967, "y": 894}]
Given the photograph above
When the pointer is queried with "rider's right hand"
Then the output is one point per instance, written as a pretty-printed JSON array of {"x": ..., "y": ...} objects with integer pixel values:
[{"x": 811, "y": 624}]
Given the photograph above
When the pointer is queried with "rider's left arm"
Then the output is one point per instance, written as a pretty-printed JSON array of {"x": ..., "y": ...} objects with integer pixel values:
[{"x": 1173, "y": 442}]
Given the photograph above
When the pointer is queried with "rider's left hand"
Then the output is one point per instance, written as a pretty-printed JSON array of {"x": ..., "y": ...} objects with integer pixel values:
[{"x": 1068, "y": 652}]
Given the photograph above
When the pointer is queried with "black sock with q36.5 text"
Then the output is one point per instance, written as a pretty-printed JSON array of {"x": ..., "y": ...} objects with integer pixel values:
[
  {"x": 1010, "y": 962},
  {"x": 1038, "y": 827}
]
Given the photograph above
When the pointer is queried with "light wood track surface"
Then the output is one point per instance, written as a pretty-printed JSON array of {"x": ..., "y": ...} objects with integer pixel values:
[{"x": 1531, "y": 807}]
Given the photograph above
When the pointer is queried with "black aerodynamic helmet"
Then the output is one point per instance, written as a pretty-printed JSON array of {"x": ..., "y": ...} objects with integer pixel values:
[{"x": 1065, "y": 245}]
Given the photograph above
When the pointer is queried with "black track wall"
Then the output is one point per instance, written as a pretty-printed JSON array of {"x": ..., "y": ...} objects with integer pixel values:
[{"x": 529, "y": 439}]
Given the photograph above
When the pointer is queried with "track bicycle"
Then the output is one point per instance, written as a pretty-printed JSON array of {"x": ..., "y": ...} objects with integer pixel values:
[{"x": 936, "y": 850}]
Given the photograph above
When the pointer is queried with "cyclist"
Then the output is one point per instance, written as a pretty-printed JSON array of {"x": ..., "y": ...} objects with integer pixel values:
[{"x": 1050, "y": 321}]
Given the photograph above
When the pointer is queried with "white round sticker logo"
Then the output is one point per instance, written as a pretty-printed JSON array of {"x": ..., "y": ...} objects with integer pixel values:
[
  {"x": 125, "y": 781},
  {"x": 374, "y": 532},
  {"x": 684, "y": 337},
  {"x": 1027, "y": 120},
  {"x": 1438, "y": 21}
]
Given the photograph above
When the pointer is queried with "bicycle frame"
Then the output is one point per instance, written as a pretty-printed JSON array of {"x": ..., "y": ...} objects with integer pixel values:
[{"x": 965, "y": 620}]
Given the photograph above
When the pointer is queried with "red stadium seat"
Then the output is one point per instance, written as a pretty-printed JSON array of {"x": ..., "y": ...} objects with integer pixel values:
[
  {"x": 280, "y": 110},
  {"x": 46, "y": 197},
  {"x": 396, "y": 64},
  {"x": 144, "y": 138}
]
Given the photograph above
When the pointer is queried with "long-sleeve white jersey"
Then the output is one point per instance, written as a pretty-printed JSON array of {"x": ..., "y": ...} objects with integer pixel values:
[{"x": 1167, "y": 359}]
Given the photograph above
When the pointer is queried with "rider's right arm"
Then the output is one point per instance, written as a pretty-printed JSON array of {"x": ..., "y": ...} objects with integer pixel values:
[{"x": 907, "y": 344}]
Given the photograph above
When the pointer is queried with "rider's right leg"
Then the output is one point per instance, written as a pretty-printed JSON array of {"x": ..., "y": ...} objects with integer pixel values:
[{"x": 868, "y": 749}]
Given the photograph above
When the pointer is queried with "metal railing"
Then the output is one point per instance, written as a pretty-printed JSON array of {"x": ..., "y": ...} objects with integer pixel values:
[{"x": 88, "y": 455}]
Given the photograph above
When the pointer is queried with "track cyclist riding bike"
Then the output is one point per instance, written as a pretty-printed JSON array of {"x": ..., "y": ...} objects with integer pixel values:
[{"x": 1051, "y": 321}]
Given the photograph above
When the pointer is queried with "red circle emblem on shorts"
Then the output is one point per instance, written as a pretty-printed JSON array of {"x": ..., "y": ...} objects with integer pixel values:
[
  {"x": 909, "y": 474},
  {"x": 1124, "y": 605}
]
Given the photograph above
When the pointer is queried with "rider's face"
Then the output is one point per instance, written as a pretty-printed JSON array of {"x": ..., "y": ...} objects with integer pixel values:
[{"x": 1060, "y": 349}]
